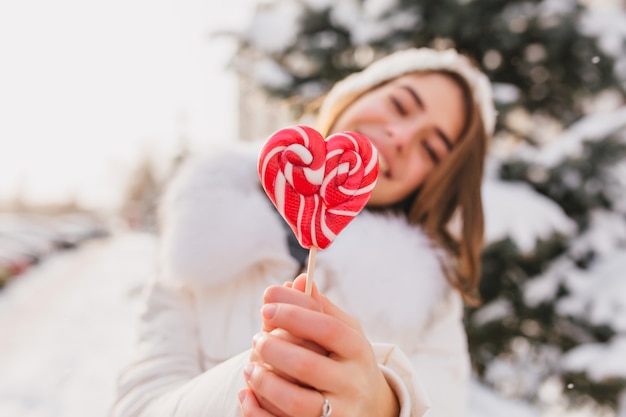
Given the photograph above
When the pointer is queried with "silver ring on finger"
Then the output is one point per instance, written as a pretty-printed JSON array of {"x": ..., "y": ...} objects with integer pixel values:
[{"x": 327, "y": 409}]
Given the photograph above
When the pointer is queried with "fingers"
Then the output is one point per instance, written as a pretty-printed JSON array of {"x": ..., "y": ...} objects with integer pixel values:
[
  {"x": 293, "y": 293},
  {"x": 250, "y": 407},
  {"x": 288, "y": 398},
  {"x": 300, "y": 284},
  {"x": 283, "y": 335},
  {"x": 310, "y": 348},
  {"x": 287, "y": 294},
  {"x": 281, "y": 294},
  {"x": 331, "y": 333},
  {"x": 326, "y": 305},
  {"x": 298, "y": 363},
  {"x": 333, "y": 310}
]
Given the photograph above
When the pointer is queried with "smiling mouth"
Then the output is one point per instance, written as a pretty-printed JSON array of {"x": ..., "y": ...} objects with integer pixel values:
[{"x": 383, "y": 167}]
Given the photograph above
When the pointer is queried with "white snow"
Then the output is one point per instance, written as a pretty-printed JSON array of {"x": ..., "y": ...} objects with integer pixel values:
[
  {"x": 515, "y": 210},
  {"x": 505, "y": 93},
  {"x": 362, "y": 24},
  {"x": 556, "y": 7},
  {"x": 318, "y": 5},
  {"x": 616, "y": 192},
  {"x": 608, "y": 26},
  {"x": 570, "y": 143},
  {"x": 493, "y": 311},
  {"x": 606, "y": 233},
  {"x": 600, "y": 360},
  {"x": 275, "y": 26},
  {"x": 66, "y": 328},
  {"x": 376, "y": 9},
  {"x": 599, "y": 294},
  {"x": 543, "y": 288},
  {"x": 269, "y": 73},
  {"x": 484, "y": 402}
]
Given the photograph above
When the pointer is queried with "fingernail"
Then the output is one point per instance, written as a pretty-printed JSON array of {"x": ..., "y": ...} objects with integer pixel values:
[
  {"x": 268, "y": 311},
  {"x": 247, "y": 371},
  {"x": 242, "y": 395},
  {"x": 257, "y": 338}
]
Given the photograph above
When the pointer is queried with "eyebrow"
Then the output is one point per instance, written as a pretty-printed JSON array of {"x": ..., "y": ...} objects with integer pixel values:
[{"x": 421, "y": 105}]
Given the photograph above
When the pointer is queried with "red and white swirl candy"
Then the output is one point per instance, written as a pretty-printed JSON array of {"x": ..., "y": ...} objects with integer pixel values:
[{"x": 318, "y": 185}]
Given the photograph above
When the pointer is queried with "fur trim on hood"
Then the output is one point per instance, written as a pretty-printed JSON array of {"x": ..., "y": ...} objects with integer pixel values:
[{"x": 217, "y": 222}]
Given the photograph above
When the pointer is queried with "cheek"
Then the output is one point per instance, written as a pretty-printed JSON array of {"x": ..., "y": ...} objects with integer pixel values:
[
  {"x": 385, "y": 193},
  {"x": 358, "y": 113},
  {"x": 419, "y": 169},
  {"x": 412, "y": 183},
  {"x": 388, "y": 192}
]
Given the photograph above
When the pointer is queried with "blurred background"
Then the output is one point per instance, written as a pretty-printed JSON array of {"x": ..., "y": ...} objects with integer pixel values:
[{"x": 100, "y": 102}]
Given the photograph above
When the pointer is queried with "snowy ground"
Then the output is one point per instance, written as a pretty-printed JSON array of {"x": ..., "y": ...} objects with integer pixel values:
[{"x": 66, "y": 328}]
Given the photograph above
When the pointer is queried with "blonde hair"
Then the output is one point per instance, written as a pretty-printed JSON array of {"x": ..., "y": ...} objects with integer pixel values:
[{"x": 452, "y": 189}]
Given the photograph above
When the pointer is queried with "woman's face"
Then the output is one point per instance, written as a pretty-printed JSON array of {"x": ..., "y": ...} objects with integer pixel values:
[{"x": 414, "y": 121}]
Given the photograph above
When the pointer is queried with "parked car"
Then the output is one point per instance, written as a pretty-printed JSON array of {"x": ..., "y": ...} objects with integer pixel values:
[
  {"x": 15, "y": 258},
  {"x": 25, "y": 239}
]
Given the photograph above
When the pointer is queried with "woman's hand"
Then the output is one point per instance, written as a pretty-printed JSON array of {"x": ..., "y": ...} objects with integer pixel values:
[
  {"x": 290, "y": 293},
  {"x": 287, "y": 378}
]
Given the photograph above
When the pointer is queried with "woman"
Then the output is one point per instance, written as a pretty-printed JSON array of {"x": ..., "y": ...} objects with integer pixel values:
[{"x": 392, "y": 341}]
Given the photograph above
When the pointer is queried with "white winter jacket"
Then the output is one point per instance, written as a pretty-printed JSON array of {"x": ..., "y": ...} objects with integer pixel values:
[{"x": 223, "y": 244}]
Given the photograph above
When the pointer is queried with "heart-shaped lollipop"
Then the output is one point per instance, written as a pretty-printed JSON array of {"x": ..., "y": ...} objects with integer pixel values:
[{"x": 318, "y": 185}]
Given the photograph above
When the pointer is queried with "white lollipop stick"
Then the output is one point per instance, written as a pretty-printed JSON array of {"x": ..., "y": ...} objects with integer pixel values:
[{"x": 309, "y": 270}]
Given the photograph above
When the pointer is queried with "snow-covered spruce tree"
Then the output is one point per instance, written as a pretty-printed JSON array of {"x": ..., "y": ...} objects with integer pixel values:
[
  {"x": 554, "y": 279},
  {"x": 554, "y": 273},
  {"x": 534, "y": 50}
]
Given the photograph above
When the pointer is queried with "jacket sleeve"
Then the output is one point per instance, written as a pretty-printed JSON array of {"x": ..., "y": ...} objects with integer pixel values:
[
  {"x": 433, "y": 381},
  {"x": 166, "y": 376},
  {"x": 398, "y": 372}
]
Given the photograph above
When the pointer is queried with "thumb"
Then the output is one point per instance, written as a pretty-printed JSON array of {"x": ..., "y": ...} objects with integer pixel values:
[
  {"x": 299, "y": 284},
  {"x": 327, "y": 306}
]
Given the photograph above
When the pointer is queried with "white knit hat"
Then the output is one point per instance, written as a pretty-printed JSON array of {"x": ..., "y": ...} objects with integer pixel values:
[{"x": 404, "y": 62}]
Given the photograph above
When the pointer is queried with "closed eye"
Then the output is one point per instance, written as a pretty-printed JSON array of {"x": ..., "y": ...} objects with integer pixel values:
[
  {"x": 398, "y": 106},
  {"x": 431, "y": 152}
]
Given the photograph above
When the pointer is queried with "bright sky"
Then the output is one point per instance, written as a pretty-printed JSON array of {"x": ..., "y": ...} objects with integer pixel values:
[{"x": 88, "y": 86}]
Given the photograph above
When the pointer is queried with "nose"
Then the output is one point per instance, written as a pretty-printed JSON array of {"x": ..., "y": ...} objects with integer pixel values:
[{"x": 404, "y": 135}]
